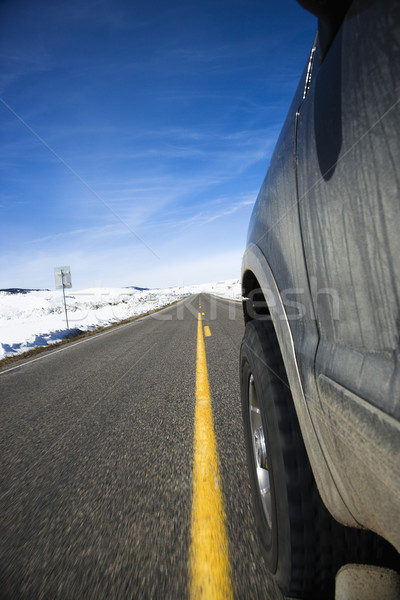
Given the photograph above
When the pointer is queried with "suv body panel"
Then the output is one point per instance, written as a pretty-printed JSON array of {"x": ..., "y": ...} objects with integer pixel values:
[{"x": 323, "y": 245}]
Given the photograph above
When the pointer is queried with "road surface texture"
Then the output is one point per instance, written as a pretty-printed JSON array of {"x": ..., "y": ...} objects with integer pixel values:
[{"x": 96, "y": 450}]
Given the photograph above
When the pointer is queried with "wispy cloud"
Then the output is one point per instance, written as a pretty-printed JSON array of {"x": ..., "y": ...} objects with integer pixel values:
[
  {"x": 233, "y": 209},
  {"x": 211, "y": 211},
  {"x": 59, "y": 236}
]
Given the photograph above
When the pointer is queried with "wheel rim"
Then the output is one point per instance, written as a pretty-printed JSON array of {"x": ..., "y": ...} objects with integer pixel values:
[{"x": 259, "y": 451}]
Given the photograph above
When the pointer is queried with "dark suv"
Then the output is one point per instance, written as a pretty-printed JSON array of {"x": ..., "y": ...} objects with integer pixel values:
[{"x": 320, "y": 360}]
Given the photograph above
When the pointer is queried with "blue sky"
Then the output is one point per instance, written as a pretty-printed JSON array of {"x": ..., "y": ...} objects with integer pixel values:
[{"x": 135, "y": 135}]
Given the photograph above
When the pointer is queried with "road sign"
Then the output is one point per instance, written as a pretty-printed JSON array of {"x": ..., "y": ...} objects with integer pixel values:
[{"x": 62, "y": 276}]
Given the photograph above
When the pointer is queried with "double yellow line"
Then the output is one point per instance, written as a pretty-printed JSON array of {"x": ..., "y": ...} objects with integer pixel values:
[{"x": 210, "y": 576}]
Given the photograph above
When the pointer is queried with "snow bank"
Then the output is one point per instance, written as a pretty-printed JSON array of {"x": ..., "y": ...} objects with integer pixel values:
[{"x": 38, "y": 318}]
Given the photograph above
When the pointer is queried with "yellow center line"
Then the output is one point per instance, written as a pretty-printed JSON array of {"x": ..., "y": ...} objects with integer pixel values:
[
  {"x": 210, "y": 574},
  {"x": 207, "y": 331}
]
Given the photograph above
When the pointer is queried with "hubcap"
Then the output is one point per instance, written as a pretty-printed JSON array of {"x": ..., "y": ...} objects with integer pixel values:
[{"x": 259, "y": 451}]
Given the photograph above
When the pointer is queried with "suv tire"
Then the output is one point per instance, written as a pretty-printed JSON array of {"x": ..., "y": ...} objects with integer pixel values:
[{"x": 291, "y": 518}]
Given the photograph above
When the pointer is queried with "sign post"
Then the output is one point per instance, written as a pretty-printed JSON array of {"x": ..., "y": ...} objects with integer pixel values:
[{"x": 62, "y": 276}]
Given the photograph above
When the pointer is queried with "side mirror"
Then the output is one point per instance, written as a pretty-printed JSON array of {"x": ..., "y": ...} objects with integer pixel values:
[{"x": 330, "y": 15}]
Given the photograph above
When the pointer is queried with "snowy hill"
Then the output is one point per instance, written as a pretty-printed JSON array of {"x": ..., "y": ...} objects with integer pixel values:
[{"x": 37, "y": 318}]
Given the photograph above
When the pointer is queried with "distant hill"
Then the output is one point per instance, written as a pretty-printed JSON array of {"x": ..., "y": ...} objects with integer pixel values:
[
  {"x": 26, "y": 291},
  {"x": 20, "y": 291}
]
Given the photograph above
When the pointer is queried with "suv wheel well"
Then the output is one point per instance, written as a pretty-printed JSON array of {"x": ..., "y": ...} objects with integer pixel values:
[{"x": 254, "y": 302}]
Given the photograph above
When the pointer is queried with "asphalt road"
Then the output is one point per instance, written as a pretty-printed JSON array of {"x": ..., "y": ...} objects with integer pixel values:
[{"x": 96, "y": 451}]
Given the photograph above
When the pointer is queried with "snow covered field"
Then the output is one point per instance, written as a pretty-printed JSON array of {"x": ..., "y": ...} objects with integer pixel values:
[{"x": 38, "y": 318}]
